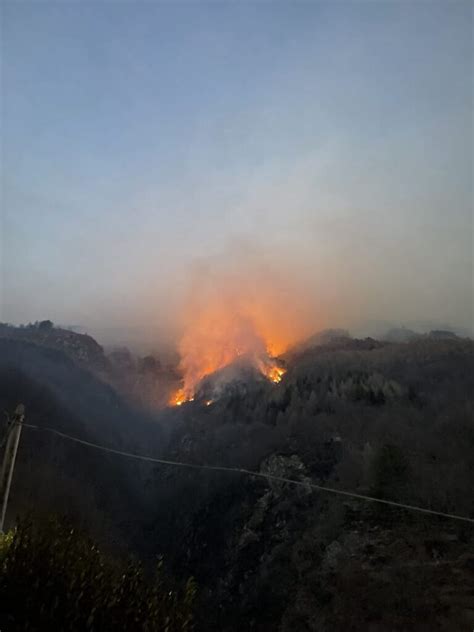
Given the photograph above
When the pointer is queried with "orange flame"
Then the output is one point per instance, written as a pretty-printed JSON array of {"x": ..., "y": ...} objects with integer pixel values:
[
  {"x": 267, "y": 366},
  {"x": 275, "y": 374},
  {"x": 180, "y": 397},
  {"x": 235, "y": 313},
  {"x": 214, "y": 341}
]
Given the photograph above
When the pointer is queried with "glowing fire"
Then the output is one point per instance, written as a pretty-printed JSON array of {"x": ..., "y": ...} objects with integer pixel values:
[
  {"x": 231, "y": 315},
  {"x": 275, "y": 374},
  {"x": 196, "y": 367},
  {"x": 267, "y": 366},
  {"x": 178, "y": 398},
  {"x": 270, "y": 368}
]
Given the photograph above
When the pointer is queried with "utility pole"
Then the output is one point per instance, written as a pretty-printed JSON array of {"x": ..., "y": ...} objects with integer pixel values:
[{"x": 9, "y": 456}]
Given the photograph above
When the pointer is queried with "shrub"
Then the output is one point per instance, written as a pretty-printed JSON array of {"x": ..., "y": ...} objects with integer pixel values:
[{"x": 54, "y": 577}]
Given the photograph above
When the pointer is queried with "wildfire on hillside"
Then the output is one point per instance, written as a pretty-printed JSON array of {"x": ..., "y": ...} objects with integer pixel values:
[
  {"x": 274, "y": 373},
  {"x": 216, "y": 340},
  {"x": 238, "y": 314},
  {"x": 179, "y": 398},
  {"x": 266, "y": 365}
]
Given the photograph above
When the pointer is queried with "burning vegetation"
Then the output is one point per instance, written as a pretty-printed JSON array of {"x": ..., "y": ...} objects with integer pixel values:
[
  {"x": 239, "y": 314},
  {"x": 269, "y": 367},
  {"x": 274, "y": 373},
  {"x": 222, "y": 333},
  {"x": 179, "y": 398}
]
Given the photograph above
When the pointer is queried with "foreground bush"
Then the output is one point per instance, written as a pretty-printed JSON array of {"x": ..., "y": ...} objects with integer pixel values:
[{"x": 55, "y": 578}]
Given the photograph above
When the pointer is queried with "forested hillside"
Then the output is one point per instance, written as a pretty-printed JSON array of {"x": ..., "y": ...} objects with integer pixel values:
[
  {"x": 388, "y": 420},
  {"x": 393, "y": 421}
]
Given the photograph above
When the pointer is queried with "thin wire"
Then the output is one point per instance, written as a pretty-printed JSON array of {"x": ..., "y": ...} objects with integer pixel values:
[{"x": 222, "y": 468}]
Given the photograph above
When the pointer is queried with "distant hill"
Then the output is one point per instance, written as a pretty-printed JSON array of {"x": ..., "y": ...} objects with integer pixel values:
[
  {"x": 329, "y": 340},
  {"x": 403, "y": 334},
  {"x": 80, "y": 347},
  {"x": 400, "y": 334},
  {"x": 142, "y": 380},
  {"x": 322, "y": 337},
  {"x": 441, "y": 334}
]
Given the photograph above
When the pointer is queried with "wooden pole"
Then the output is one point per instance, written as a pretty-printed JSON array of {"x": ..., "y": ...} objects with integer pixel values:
[{"x": 9, "y": 457}]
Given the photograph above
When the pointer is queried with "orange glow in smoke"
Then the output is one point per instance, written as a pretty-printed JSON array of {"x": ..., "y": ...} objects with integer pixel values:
[
  {"x": 266, "y": 365},
  {"x": 225, "y": 325},
  {"x": 241, "y": 308}
]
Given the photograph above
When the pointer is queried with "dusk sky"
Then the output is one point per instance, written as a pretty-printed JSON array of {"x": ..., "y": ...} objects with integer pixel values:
[{"x": 146, "y": 144}]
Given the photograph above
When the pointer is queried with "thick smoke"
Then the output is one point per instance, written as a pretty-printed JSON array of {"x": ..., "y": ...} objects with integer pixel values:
[{"x": 245, "y": 310}]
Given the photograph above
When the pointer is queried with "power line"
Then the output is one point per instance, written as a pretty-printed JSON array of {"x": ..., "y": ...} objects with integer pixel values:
[{"x": 238, "y": 470}]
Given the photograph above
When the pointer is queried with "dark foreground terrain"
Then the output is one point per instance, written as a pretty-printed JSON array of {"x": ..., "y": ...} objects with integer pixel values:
[{"x": 390, "y": 420}]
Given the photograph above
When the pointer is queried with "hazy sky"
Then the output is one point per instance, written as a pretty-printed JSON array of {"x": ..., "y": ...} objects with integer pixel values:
[{"x": 330, "y": 142}]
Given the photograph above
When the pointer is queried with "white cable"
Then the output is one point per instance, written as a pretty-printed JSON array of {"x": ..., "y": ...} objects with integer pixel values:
[{"x": 222, "y": 468}]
